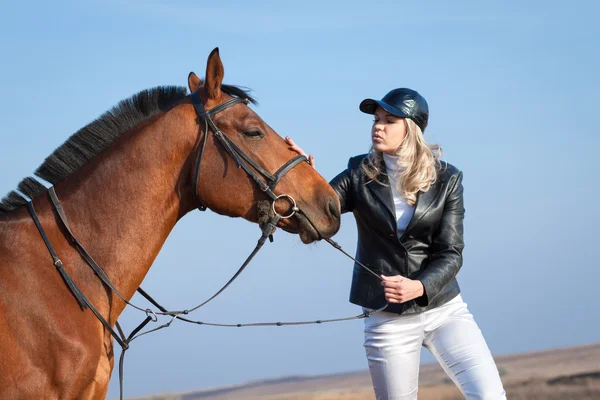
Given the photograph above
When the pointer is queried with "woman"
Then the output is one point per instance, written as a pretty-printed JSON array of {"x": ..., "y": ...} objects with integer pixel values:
[{"x": 408, "y": 207}]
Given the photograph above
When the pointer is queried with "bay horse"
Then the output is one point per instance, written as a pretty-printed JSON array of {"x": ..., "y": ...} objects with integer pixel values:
[{"x": 124, "y": 181}]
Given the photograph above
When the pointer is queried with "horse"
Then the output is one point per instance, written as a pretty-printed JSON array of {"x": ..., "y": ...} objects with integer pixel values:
[{"x": 124, "y": 181}]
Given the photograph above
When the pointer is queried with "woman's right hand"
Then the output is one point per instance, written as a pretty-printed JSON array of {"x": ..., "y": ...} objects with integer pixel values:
[{"x": 297, "y": 149}]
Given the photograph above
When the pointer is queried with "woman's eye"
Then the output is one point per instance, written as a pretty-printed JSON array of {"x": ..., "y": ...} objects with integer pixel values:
[{"x": 254, "y": 134}]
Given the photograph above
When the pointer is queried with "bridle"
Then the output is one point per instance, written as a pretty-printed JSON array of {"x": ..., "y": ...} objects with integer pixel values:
[{"x": 242, "y": 160}]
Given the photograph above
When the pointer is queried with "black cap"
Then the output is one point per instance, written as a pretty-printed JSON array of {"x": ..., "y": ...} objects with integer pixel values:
[{"x": 402, "y": 102}]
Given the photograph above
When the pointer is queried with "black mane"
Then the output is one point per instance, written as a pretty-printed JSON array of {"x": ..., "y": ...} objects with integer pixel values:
[{"x": 94, "y": 138}]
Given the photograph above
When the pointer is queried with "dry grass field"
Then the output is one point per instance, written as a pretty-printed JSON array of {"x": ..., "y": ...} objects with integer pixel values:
[{"x": 559, "y": 374}]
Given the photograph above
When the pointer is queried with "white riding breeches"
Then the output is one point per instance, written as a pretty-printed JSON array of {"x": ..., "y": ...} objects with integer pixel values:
[{"x": 393, "y": 345}]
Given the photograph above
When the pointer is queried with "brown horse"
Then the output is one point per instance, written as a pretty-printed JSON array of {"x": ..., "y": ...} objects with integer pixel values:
[{"x": 124, "y": 181}]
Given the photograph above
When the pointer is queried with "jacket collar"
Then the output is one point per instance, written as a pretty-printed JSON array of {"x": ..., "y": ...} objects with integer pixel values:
[
  {"x": 384, "y": 194},
  {"x": 424, "y": 202}
]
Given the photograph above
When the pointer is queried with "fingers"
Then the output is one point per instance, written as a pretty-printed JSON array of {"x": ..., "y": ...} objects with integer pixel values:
[
  {"x": 294, "y": 146},
  {"x": 298, "y": 149},
  {"x": 397, "y": 297},
  {"x": 395, "y": 289},
  {"x": 396, "y": 294},
  {"x": 291, "y": 142},
  {"x": 395, "y": 278}
]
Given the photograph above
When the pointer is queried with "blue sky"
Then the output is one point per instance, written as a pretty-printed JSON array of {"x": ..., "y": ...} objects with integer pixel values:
[{"x": 513, "y": 90}]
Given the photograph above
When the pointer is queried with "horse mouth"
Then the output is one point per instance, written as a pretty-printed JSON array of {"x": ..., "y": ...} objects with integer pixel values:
[{"x": 304, "y": 229}]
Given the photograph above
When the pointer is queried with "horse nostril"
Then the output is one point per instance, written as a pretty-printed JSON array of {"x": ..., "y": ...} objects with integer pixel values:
[{"x": 334, "y": 210}]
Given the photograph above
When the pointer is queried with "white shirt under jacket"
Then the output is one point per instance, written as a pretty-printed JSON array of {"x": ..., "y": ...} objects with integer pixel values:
[{"x": 404, "y": 211}]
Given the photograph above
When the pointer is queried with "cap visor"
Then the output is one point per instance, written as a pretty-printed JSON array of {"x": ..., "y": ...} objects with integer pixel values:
[{"x": 369, "y": 106}]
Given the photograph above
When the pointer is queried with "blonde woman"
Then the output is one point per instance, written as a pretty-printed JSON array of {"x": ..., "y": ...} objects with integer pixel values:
[{"x": 408, "y": 207}]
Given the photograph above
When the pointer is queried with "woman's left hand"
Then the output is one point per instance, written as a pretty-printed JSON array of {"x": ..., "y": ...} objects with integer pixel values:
[{"x": 399, "y": 289}]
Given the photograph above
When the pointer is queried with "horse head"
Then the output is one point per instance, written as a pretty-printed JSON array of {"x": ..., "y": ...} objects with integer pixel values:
[{"x": 221, "y": 185}]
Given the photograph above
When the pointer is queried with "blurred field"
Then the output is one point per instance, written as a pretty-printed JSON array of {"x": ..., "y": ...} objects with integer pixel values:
[{"x": 565, "y": 374}]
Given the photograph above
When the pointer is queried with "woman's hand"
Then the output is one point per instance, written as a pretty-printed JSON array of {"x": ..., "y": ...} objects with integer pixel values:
[
  {"x": 297, "y": 149},
  {"x": 399, "y": 289}
]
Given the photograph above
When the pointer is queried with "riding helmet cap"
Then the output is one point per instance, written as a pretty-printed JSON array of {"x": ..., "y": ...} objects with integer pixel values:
[{"x": 402, "y": 102}]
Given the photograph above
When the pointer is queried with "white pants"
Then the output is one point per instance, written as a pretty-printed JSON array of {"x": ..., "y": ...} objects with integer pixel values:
[{"x": 393, "y": 345}]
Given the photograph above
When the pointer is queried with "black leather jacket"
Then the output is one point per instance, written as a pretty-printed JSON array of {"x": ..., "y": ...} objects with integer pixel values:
[{"x": 430, "y": 249}]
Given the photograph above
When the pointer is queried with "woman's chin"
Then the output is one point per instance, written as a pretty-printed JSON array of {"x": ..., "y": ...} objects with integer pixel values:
[{"x": 380, "y": 147}]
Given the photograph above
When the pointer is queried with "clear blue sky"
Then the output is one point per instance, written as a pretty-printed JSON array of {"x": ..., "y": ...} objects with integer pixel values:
[{"x": 513, "y": 89}]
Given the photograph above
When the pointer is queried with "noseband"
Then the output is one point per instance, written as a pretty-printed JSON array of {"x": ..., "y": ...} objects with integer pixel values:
[{"x": 242, "y": 160}]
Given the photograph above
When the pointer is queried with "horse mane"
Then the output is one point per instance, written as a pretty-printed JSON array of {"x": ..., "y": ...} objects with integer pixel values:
[{"x": 95, "y": 137}]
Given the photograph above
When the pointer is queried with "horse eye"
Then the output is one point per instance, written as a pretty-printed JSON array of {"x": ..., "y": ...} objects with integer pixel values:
[{"x": 254, "y": 134}]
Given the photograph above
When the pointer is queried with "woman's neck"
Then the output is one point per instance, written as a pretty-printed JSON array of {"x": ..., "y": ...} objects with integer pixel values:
[{"x": 391, "y": 162}]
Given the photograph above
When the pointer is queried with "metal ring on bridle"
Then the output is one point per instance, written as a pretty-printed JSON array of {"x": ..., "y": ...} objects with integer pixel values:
[
  {"x": 150, "y": 313},
  {"x": 291, "y": 199}
]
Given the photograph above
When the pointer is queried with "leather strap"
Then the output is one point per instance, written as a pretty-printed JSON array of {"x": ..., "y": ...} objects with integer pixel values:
[
  {"x": 241, "y": 159},
  {"x": 83, "y": 301}
]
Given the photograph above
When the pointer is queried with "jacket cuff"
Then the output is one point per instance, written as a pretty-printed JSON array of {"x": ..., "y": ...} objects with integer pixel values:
[{"x": 423, "y": 301}]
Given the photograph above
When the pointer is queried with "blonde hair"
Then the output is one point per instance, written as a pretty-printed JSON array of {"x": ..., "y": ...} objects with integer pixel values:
[{"x": 418, "y": 164}]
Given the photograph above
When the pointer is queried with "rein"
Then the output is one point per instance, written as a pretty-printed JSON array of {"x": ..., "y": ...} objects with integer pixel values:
[{"x": 268, "y": 227}]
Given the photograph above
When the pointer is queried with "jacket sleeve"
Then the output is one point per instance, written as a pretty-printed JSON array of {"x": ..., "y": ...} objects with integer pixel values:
[
  {"x": 342, "y": 184},
  {"x": 445, "y": 259}
]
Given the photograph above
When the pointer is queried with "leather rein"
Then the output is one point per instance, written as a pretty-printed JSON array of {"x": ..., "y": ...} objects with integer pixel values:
[{"x": 242, "y": 160}]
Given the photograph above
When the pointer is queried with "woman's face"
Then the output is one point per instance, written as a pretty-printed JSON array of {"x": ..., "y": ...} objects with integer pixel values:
[{"x": 388, "y": 131}]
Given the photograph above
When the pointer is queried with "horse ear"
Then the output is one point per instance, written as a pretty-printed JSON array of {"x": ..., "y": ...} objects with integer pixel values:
[
  {"x": 193, "y": 82},
  {"x": 214, "y": 74}
]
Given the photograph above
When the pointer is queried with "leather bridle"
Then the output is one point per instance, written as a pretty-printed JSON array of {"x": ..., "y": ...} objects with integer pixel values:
[{"x": 242, "y": 160}]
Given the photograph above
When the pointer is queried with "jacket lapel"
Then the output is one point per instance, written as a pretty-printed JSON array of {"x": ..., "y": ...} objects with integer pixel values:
[
  {"x": 384, "y": 194},
  {"x": 424, "y": 202}
]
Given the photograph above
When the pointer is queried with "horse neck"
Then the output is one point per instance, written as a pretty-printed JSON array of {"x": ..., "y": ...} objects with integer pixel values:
[{"x": 123, "y": 206}]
